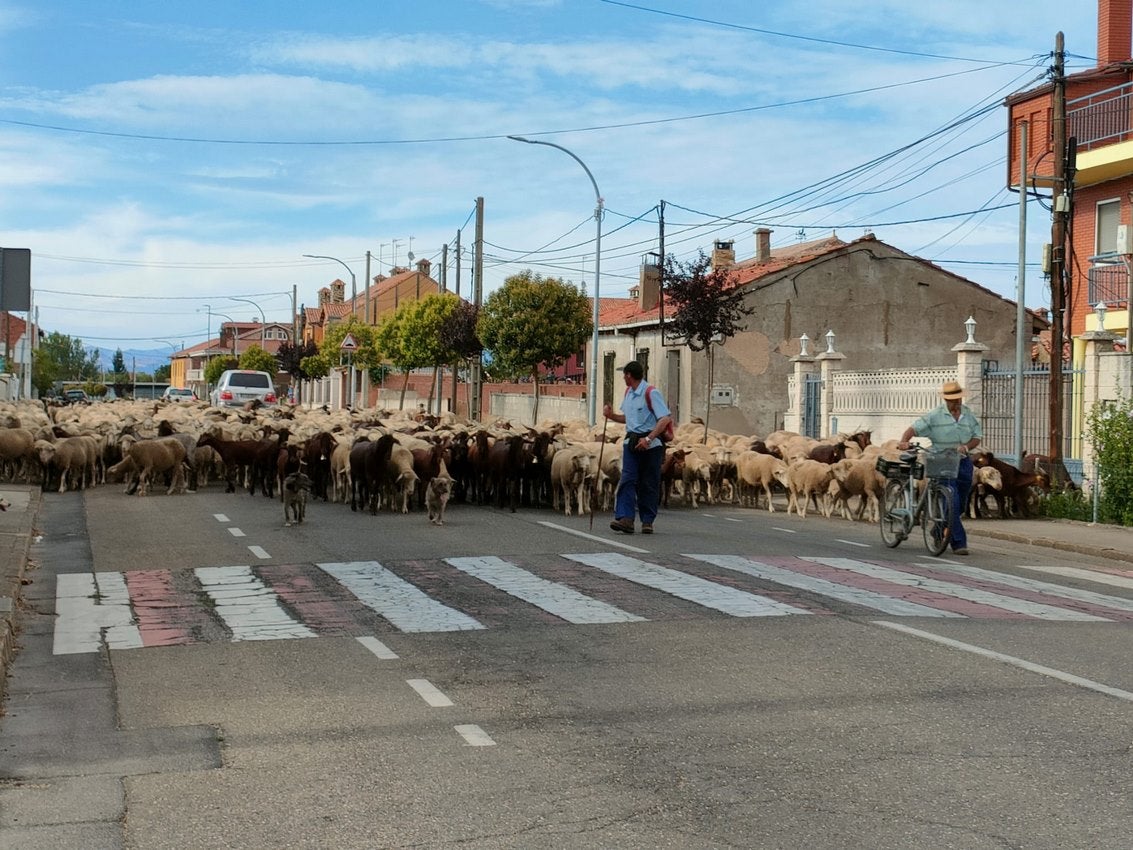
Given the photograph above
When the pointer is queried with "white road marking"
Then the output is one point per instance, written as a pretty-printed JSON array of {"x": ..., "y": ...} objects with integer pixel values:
[
  {"x": 604, "y": 540},
  {"x": 719, "y": 597},
  {"x": 378, "y": 648},
  {"x": 429, "y": 692},
  {"x": 1021, "y": 663},
  {"x": 558, "y": 599},
  {"x": 1117, "y": 602},
  {"x": 1088, "y": 575},
  {"x": 855, "y": 595},
  {"x": 399, "y": 601},
  {"x": 248, "y": 607},
  {"x": 83, "y": 609},
  {"x": 474, "y": 735},
  {"x": 733, "y": 519},
  {"x": 235, "y": 532},
  {"x": 710, "y": 516},
  {"x": 259, "y": 552},
  {"x": 220, "y": 517},
  {"x": 961, "y": 591},
  {"x": 852, "y": 543},
  {"x": 785, "y": 530}
]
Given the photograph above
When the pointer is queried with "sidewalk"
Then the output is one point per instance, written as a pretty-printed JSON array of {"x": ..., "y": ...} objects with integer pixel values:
[
  {"x": 1101, "y": 541},
  {"x": 16, "y": 532}
]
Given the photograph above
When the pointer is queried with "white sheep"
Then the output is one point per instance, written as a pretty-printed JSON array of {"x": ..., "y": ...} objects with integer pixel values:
[
  {"x": 807, "y": 480},
  {"x": 755, "y": 471}
]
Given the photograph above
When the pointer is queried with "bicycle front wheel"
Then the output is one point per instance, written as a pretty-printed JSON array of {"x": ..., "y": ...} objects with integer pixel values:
[
  {"x": 936, "y": 519},
  {"x": 894, "y": 513}
]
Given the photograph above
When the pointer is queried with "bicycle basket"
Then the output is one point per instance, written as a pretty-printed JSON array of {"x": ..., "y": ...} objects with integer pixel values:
[
  {"x": 892, "y": 468},
  {"x": 942, "y": 464}
]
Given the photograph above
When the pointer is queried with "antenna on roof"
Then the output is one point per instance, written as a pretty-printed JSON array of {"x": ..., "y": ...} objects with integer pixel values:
[{"x": 800, "y": 234}]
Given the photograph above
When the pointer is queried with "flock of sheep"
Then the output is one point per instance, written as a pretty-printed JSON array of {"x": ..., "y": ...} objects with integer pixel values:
[{"x": 561, "y": 464}]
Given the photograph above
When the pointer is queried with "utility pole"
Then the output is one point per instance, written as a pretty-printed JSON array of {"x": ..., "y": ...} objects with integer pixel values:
[
  {"x": 456, "y": 368},
  {"x": 477, "y": 298},
  {"x": 661, "y": 275},
  {"x": 1021, "y": 336},
  {"x": 1058, "y": 250},
  {"x": 369, "y": 318}
]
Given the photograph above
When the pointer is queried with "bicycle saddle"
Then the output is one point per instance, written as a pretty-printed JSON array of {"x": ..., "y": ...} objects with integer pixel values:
[{"x": 908, "y": 457}]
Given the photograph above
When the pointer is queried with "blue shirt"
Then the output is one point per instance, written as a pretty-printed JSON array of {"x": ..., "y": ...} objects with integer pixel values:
[
  {"x": 639, "y": 419},
  {"x": 945, "y": 431}
]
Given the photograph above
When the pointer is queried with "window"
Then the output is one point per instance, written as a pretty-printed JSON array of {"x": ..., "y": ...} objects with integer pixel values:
[
  {"x": 1109, "y": 216},
  {"x": 643, "y": 358}
]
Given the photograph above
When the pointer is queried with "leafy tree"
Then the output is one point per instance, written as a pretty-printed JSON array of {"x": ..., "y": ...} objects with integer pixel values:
[
  {"x": 62, "y": 358},
  {"x": 218, "y": 366},
  {"x": 291, "y": 356},
  {"x": 532, "y": 321},
  {"x": 391, "y": 341},
  {"x": 1111, "y": 432},
  {"x": 118, "y": 364},
  {"x": 421, "y": 329},
  {"x": 161, "y": 373},
  {"x": 256, "y": 358},
  {"x": 707, "y": 308},
  {"x": 458, "y": 334}
]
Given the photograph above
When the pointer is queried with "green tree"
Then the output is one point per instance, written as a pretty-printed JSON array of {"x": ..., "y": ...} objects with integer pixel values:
[
  {"x": 291, "y": 356},
  {"x": 707, "y": 308},
  {"x": 118, "y": 364},
  {"x": 218, "y": 366},
  {"x": 532, "y": 321},
  {"x": 423, "y": 326},
  {"x": 1111, "y": 432},
  {"x": 394, "y": 346},
  {"x": 459, "y": 335},
  {"x": 259, "y": 360},
  {"x": 62, "y": 358},
  {"x": 161, "y": 373}
]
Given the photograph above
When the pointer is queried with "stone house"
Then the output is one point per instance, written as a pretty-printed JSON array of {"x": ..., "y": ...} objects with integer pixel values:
[{"x": 885, "y": 308}]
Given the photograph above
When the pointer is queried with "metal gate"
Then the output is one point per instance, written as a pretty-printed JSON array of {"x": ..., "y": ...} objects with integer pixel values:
[
  {"x": 998, "y": 419},
  {"x": 812, "y": 405},
  {"x": 673, "y": 383}
]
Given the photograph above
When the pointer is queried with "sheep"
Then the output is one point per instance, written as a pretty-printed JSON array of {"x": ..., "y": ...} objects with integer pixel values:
[
  {"x": 570, "y": 469},
  {"x": 985, "y": 480},
  {"x": 696, "y": 477},
  {"x": 151, "y": 457},
  {"x": 400, "y": 477},
  {"x": 758, "y": 470},
  {"x": 809, "y": 480},
  {"x": 69, "y": 456},
  {"x": 858, "y": 478},
  {"x": 16, "y": 452},
  {"x": 340, "y": 470}
]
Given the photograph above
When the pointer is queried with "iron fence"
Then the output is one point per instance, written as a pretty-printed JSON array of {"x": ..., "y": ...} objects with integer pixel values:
[{"x": 998, "y": 420}]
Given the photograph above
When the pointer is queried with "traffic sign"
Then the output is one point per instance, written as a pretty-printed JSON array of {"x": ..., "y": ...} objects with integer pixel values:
[{"x": 348, "y": 343}]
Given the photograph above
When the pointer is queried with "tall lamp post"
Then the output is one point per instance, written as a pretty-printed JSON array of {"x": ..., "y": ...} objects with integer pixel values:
[
  {"x": 263, "y": 320},
  {"x": 353, "y": 307},
  {"x": 353, "y": 280},
  {"x": 592, "y": 390}
]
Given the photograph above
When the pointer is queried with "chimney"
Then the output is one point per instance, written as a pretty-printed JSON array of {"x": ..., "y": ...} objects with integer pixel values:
[
  {"x": 723, "y": 254},
  {"x": 1115, "y": 31},
  {"x": 762, "y": 245},
  {"x": 648, "y": 289},
  {"x": 423, "y": 267},
  {"x": 337, "y": 292},
  {"x": 324, "y": 296}
]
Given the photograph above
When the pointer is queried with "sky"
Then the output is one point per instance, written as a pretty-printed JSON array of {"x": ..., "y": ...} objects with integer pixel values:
[{"x": 163, "y": 161}]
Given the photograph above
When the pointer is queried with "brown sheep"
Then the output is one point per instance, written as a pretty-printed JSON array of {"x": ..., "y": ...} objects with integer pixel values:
[
  {"x": 808, "y": 480},
  {"x": 858, "y": 478},
  {"x": 152, "y": 457}
]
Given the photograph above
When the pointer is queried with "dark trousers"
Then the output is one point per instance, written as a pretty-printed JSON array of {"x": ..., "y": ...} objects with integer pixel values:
[
  {"x": 639, "y": 491},
  {"x": 961, "y": 488}
]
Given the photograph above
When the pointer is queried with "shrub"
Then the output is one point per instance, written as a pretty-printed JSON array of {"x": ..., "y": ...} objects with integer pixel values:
[{"x": 1111, "y": 432}]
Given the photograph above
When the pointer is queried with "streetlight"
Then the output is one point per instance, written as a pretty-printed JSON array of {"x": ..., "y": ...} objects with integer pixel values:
[
  {"x": 353, "y": 280},
  {"x": 593, "y": 388},
  {"x": 263, "y": 320}
]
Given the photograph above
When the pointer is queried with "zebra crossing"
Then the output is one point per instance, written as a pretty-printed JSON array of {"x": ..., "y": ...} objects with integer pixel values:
[{"x": 146, "y": 608}]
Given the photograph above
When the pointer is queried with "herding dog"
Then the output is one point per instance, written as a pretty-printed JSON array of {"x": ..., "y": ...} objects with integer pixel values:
[
  {"x": 436, "y": 498},
  {"x": 295, "y": 488},
  {"x": 4, "y": 504}
]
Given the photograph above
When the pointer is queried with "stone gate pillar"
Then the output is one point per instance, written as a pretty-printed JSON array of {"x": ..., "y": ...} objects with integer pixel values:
[
  {"x": 969, "y": 369},
  {"x": 829, "y": 362}
]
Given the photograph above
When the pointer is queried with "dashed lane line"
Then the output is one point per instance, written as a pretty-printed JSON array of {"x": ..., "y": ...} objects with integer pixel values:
[
  {"x": 378, "y": 648},
  {"x": 429, "y": 692},
  {"x": 474, "y": 735},
  {"x": 259, "y": 552},
  {"x": 604, "y": 540},
  {"x": 235, "y": 532}
]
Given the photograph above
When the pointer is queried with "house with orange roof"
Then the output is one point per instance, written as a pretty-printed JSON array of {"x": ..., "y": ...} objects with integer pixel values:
[
  {"x": 15, "y": 357},
  {"x": 187, "y": 367},
  {"x": 887, "y": 309}
]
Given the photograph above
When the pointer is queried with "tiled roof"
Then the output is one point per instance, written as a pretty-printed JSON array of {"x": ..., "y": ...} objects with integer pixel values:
[
  {"x": 337, "y": 310},
  {"x": 16, "y": 327}
]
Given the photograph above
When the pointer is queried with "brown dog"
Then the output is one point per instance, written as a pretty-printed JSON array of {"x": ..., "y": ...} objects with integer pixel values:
[
  {"x": 295, "y": 488},
  {"x": 436, "y": 498}
]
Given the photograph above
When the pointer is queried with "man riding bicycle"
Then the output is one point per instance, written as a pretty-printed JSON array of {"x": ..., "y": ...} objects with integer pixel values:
[{"x": 951, "y": 424}]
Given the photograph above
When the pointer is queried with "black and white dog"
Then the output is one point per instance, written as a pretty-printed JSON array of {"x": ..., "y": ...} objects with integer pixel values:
[{"x": 295, "y": 489}]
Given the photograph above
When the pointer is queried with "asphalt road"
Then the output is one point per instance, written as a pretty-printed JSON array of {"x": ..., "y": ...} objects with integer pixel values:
[{"x": 738, "y": 679}]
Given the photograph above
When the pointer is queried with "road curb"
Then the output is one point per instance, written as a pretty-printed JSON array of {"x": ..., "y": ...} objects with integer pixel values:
[
  {"x": 18, "y": 541},
  {"x": 1051, "y": 543}
]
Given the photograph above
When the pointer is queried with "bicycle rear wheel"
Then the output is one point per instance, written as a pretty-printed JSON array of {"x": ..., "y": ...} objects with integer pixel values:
[
  {"x": 894, "y": 513},
  {"x": 936, "y": 519}
]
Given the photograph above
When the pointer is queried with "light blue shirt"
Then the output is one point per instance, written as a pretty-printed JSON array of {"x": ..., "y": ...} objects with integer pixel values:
[
  {"x": 945, "y": 431},
  {"x": 639, "y": 419}
]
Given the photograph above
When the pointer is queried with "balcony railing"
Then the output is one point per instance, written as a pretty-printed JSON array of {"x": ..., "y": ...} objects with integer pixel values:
[
  {"x": 1102, "y": 118},
  {"x": 1108, "y": 283}
]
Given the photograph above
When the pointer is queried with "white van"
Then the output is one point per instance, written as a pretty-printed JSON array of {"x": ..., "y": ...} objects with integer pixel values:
[{"x": 237, "y": 387}]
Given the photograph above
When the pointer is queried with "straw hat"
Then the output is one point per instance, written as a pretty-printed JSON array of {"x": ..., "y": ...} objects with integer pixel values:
[{"x": 951, "y": 391}]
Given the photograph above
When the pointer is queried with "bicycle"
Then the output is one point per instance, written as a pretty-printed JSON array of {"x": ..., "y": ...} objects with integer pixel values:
[{"x": 902, "y": 507}]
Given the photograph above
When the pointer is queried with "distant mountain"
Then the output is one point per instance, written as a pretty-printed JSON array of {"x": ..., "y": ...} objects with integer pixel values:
[{"x": 140, "y": 359}]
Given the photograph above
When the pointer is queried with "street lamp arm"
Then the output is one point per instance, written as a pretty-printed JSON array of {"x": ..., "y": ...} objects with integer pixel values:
[
  {"x": 593, "y": 182},
  {"x": 353, "y": 280}
]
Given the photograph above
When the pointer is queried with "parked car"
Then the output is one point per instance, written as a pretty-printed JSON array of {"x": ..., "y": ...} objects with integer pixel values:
[
  {"x": 179, "y": 394},
  {"x": 74, "y": 396},
  {"x": 237, "y": 387}
]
